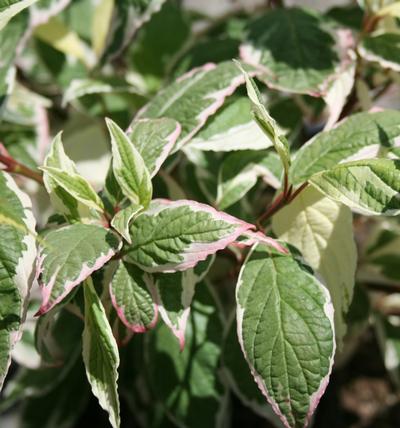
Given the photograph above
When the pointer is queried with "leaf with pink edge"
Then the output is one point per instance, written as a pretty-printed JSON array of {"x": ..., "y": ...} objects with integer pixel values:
[
  {"x": 194, "y": 97},
  {"x": 175, "y": 235},
  {"x": 68, "y": 256},
  {"x": 174, "y": 295},
  {"x": 286, "y": 332},
  {"x": 131, "y": 298}
]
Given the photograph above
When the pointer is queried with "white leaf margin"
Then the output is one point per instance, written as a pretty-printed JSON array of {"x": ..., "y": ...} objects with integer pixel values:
[{"x": 316, "y": 396}]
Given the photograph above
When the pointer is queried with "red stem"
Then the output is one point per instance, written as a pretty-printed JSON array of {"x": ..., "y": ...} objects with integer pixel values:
[{"x": 15, "y": 167}]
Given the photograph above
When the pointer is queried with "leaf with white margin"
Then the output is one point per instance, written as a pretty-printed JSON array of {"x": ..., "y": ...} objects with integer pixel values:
[
  {"x": 120, "y": 222},
  {"x": 176, "y": 235},
  {"x": 129, "y": 168},
  {"x": 193, "y": 375},
  {"x": 9, "y": 41},
  {"x": 322, "y": 230},
  {"x": 76, "y": 186},
  {"x": 60, "y": 198},
  {"x": 383, "y": 49},
  {"x": 265, "y": 121},
  {"x": 81, "y": 87},
  {"x": 239, "y": 173},
  {"x": 370, "y": 187},
  {"x": 343, "y": 81},
  {"x": 131, "y": 298},
  {"x": 174, "y": 294},
  {"x": 307, "y": 59},
  {"x": 17, "y": 259},
  {"x": 9, "y": 8},
  {"x": 68, "y": 256},
  {"x": 286, "y": 332},
  {"x": 360, "y": 136},
  {"x": 100, "y": 355},
  {"x": 231, "y": 128},
  {"x": 129, "y": 16},
  {"x": 194, "y": 97},
  {"x": 154, "y": 139}
]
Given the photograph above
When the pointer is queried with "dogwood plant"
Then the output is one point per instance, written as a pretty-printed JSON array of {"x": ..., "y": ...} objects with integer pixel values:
[{"x": 211, "y": 250}]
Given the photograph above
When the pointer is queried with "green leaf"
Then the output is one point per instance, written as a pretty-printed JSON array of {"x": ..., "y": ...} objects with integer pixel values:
[
  {"x": 154, "y": 139},
  {"x": 10, "y": 8},
  {"x": 306, "y": 60},
  {"x": 191, "y": 394},
  {"x": 10, "y": 37},
  {"x": 360, "y": 136},
  {"x": 285, "y": 328},
  {"x": 100, "y": 355},
  {"x": 322, "y": 230},
  {"x": 129, "y": 168},
  {"x": 231, "y": 128},
  {"x": 68, "y": 256},
  {"x": 176, "y": 235},
  {"x": 131, "y": 298},
  {"x": 239, "y": 173},
  {"x": 123, "y": 218},
  {"x": 76, "y": 186},
  {"x": 156, "y": 46},
  {"x": 265, "y": 121},
  {"x": 17, "y": 258},
  {"x": 194, "y": 97},
  {"x": 383, "y": 49},
  {"x": 370, "y": 187}
]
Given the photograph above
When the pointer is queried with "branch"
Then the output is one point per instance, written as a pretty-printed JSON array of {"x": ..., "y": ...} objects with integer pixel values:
[{"x": 15, "y": 167}]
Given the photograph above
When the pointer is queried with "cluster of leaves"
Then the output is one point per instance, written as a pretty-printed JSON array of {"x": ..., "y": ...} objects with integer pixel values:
[{"x": 212, "y": 184}]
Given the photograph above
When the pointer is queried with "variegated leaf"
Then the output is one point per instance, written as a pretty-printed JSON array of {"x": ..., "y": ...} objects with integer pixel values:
[
  {"x": 131, "y": 297},
  {"x": 370, "y": 187},
  {"x": 360, "y": 136},
  {"x": 286, "y": 331},
  {"x": 100, "y": 355},
  {"x": 231, "y": 128},
  {"x": 154, "y": 139},
  {"x": 121, "y": 220},
  {"x": 176, "y": 235},
  {"x": 17, "y": 257},
  {"x": 307, "y": 59},
  {"x": 194, "y": 97},
  {"x": 129, "y": 168},
  {"x": 68, "y": 256}
]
